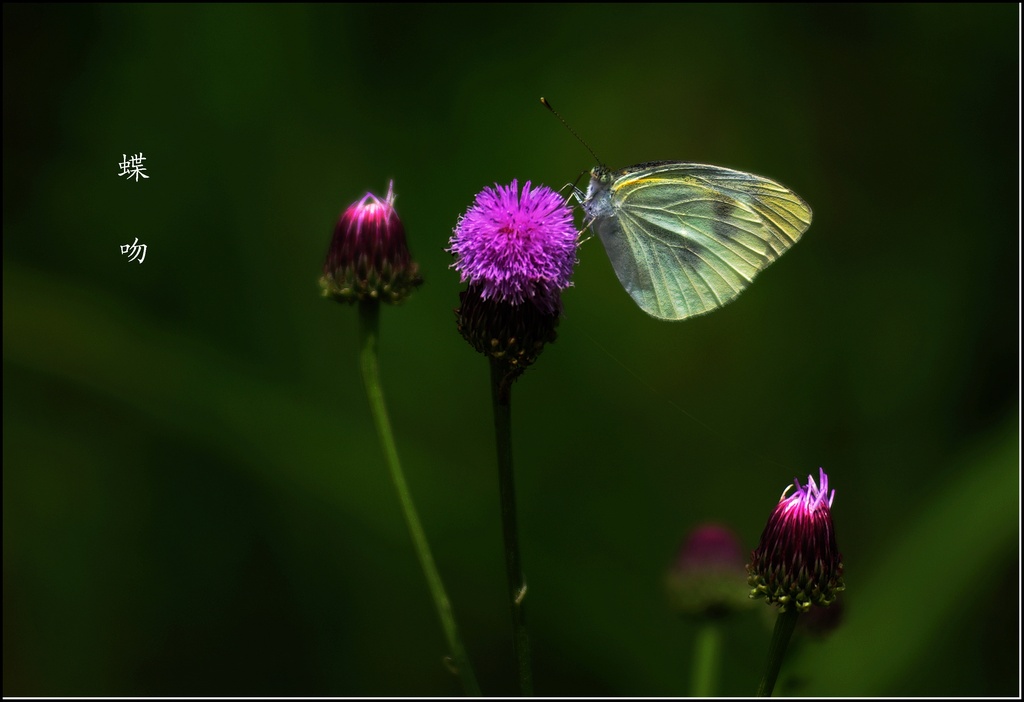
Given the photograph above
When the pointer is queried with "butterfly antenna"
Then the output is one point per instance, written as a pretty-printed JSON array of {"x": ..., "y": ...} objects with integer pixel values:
[{"x": 547, "y": 104}]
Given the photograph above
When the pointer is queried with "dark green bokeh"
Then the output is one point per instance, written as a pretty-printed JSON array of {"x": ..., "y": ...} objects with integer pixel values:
[{"x": 194, "y": 500}]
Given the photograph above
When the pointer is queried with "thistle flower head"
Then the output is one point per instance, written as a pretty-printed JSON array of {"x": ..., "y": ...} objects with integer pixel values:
[
  {"x": 517, "y": 247},
  {"x": 797, "y": 563},
  {"x": 517, "y": 251},
  {"x": 707, "y": 578},
  {"x": 368, "y": 257}
]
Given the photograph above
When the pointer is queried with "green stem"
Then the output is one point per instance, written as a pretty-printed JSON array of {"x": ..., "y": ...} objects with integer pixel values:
[
  {"x": 501, "y": 394},
  {"x": 706, "y": 656},
  {"x": 369, "y": 318},
  {"x": 784, "y": 626}
]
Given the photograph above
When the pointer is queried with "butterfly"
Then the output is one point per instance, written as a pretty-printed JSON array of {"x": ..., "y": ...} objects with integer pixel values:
[{"x": 686, "y": 238}]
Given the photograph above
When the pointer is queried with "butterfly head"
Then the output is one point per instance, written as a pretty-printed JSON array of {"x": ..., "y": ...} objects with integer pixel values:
[
  {"x": 598, "y": 200},
  {"x": 601, "y": 175}
]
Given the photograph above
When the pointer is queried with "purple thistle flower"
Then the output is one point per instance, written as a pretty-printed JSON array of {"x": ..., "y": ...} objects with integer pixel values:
[
  {"x": 516, "y": 247},
  {"x": 368, "y": 257},
  {"x": 797, "y": 562}
]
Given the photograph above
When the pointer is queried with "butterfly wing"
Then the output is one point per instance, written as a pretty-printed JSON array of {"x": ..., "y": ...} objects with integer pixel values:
[{"x": 687, "y": 238}]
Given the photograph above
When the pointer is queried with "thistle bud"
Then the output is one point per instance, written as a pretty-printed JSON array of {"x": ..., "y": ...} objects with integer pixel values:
[
  {"x": 797, "y": 563},
  {"x": 368, "y": 257}
]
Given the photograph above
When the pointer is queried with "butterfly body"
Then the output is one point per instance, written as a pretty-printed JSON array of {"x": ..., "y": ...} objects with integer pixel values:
[{"x": 686, "y": 238}]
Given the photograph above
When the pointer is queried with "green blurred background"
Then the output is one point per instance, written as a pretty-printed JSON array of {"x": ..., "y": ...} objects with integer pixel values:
[{"x": 195, "y": 502}]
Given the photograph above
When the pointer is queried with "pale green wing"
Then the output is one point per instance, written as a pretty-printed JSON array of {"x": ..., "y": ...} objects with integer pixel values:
[{"x": 687, "y": 238}]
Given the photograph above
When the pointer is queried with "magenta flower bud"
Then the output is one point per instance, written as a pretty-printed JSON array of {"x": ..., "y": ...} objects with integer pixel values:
[
  {"x": 707, "y": 580},
  {"x": 368, "y": 257},
  {"x": 797, "y": 563}
]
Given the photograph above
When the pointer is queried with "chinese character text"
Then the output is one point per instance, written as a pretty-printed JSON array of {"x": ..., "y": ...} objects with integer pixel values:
[
  {"x": 137, "y": 250},
  {"x": 132, "y": 167}
]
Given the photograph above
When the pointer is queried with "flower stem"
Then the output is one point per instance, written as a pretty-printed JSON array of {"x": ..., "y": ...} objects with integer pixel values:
[
  {"x": 501, "y": 395},
  {"x": 784, "y": 626},
  {"x": 369, "y": 318},
  {"x": 706, "y": 656}
]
